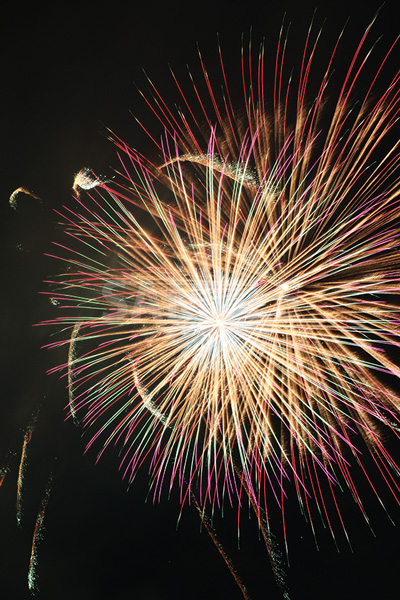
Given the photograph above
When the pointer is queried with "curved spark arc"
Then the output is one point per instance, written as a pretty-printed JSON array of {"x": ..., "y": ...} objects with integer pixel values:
[{"x": 258, "y": 316}]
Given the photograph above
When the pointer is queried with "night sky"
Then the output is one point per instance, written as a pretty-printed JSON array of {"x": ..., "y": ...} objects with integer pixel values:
[{"x": 69, "y": 71}]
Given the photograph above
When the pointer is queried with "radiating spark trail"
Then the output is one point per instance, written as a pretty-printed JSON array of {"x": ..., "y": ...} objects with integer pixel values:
[
  {"x": 4, "y": 471},
  {"x": 21, "y": 470},
  {"x": 232, "y": 170},
  {"x": 213, "y": 535},
  {"x": 36, "y": 538},
  {"x": 71, "y": 360}
]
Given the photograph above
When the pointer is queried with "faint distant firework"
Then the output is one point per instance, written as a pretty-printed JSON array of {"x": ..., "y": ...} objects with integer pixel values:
[{"x": 246, "y": 339}]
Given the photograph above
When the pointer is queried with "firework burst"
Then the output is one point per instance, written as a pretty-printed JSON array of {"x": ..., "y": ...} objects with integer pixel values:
[{"x": 245, "y": 338}]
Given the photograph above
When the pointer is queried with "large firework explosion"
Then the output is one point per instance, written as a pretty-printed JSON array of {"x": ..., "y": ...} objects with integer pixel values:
[{"x": 231, "y": 310}]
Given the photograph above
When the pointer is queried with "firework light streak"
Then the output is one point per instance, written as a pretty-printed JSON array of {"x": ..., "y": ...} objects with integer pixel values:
[
  {"x": 246, "y": 343},
  {"x": 37, "y": 536},
  {"x": 13, "y": 200},
  {"x": 212, "y": 533},
  {"x": 71, "y": 360},
  {"x": 4, "y": 471},
  {"x": 21, "y": 470}
]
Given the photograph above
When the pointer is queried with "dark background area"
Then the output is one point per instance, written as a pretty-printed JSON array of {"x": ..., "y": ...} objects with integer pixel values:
[{"x": 68, "y": 71}]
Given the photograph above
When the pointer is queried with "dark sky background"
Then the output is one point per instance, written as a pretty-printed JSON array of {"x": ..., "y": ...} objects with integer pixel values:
[{"x": 68, "y": 70}]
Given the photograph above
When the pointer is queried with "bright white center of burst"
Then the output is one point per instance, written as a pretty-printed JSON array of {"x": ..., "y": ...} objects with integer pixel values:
[
  {"x": 220, "y": 322},
  {"x": 226, "y": 320},
  {"x": 213, "y": 324}
]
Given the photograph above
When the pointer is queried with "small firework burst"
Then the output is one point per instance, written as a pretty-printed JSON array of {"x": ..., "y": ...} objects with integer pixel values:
[{"x": 85, "y": 179}]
